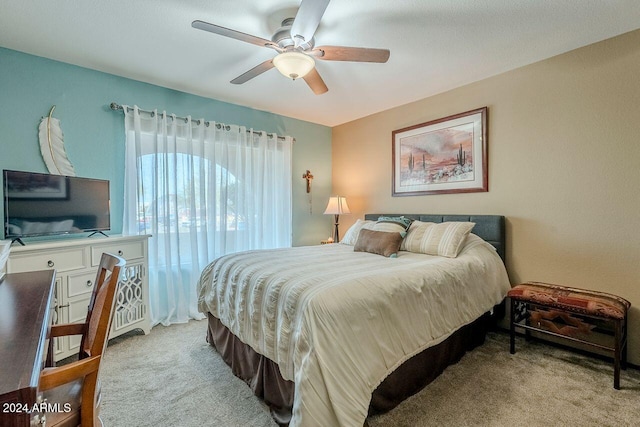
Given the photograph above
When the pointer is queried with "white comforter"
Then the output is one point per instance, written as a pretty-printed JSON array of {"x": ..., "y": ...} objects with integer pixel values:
[{"x": 337, "y": 322}]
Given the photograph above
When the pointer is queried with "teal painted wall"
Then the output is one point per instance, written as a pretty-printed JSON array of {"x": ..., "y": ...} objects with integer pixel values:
[{"x": 94, "y": 134}]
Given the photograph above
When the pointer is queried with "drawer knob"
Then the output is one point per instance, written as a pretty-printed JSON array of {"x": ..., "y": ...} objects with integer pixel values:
[
  {"x": 50, "y": 263},
  {"x": 89, "y": 283},
  {"x": 120, "y": 253}
]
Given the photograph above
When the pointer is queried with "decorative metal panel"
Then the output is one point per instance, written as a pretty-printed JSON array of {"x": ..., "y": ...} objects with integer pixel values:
[{"x": 130, "y": 307}]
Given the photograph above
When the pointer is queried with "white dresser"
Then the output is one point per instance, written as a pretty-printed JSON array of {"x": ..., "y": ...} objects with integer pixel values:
[{"x": 76, "y": 261}]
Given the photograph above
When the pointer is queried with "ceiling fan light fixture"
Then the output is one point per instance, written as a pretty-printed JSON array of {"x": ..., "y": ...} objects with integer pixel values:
[{"x": 293, "y": 64}]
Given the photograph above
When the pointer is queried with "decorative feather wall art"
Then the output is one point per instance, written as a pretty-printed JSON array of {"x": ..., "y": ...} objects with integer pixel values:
[{"x": 52, "y": 146}]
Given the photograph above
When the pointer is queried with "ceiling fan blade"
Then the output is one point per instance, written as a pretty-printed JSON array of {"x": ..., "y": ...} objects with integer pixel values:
[
  {"x": 255, "y": 71},
  {"x": 216, "y": 29},
  {"x": 315, "y": 82},
  {"x": 354, "y": 54},
  {"x": 307, "y": 20}
]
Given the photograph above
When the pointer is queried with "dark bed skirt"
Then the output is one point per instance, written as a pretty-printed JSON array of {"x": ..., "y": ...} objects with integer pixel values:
[{"x": 263, "y": 375}]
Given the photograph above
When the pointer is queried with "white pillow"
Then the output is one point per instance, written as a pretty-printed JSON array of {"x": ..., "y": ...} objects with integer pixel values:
[
  {"x": 351, "y": 236},
  {"x": 443, "y": 239}
]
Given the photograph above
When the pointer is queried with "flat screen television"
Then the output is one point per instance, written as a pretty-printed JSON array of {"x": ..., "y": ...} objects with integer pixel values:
[{"x": 40, "y": 204}]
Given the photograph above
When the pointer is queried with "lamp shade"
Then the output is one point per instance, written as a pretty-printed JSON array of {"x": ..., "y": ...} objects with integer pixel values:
[
  {"x": 294, "y": 64},
  {"x": 337, "y": 206}
]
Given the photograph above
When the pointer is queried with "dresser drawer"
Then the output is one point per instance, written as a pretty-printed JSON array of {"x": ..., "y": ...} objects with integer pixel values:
[
  {"x": 82, "y": 284},
  {"x": 63, "y": 260},
  {"x": 126, "y": 250}
]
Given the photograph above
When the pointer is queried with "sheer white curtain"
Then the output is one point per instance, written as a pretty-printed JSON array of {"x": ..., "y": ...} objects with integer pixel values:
[{"x": 201, "y": 190}]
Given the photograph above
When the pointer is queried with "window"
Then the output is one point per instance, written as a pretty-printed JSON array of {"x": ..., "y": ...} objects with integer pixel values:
[{"x": 201, "y": 192}]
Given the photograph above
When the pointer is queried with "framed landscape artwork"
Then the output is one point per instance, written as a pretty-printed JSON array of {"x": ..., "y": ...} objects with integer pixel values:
[{"x": 447, "y": 155}]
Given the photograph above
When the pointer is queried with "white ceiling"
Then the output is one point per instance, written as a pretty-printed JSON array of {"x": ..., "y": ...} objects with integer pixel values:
[{"x": 436, "y": 45}]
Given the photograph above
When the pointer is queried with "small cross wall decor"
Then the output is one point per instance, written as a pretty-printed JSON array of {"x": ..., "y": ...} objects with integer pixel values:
[{"x": 309, "y": 178}]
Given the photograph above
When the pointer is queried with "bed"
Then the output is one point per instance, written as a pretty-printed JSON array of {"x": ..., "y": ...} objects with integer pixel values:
[{"x": 327, "y": 335}]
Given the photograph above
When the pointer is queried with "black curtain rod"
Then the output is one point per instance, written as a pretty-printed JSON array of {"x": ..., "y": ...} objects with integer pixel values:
[{"x": 116, "y": 107}]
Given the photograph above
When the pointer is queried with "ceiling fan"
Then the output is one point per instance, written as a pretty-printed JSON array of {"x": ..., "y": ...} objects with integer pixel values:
[{"x": 296, "y": 49}]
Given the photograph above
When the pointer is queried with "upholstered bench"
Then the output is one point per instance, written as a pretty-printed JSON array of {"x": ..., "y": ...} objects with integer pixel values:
[{"x": 589, "y": 317}]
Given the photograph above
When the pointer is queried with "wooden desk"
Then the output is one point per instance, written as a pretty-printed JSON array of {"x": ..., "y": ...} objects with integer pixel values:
[{"x": 26, "y": 302}]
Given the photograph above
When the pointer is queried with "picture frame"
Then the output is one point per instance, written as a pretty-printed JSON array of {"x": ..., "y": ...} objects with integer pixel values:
[{"x": 442, "y": 156}]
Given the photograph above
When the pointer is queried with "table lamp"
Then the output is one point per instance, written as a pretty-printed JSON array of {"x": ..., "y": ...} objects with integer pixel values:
[{"x": 337, "y": 205}]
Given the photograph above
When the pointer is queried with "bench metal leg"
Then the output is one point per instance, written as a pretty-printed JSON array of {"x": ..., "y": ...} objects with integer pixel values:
[
  {"x": 624, "y": 343},
  {"x": 617, "y": 353},
  {"x": 512, "y": 327}
]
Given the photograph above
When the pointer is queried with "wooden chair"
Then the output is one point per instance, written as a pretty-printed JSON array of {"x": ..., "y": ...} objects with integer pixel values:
[{"x": 77, "y": 383}]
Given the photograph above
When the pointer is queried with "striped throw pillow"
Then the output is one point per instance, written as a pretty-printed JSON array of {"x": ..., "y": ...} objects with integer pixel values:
[
  {"x": 391, "y": 224},
  {"x": 388, "y": 227},
  {"x": 443, "y": 239},
  {"x": 401, "y": 220}
]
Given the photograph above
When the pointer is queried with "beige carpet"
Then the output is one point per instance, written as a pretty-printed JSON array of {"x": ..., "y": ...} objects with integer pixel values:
[{"x": 172, "y": 377}]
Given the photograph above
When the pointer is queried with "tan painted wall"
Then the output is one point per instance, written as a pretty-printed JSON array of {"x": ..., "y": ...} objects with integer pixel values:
[{"x": 564, "y": 167}]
